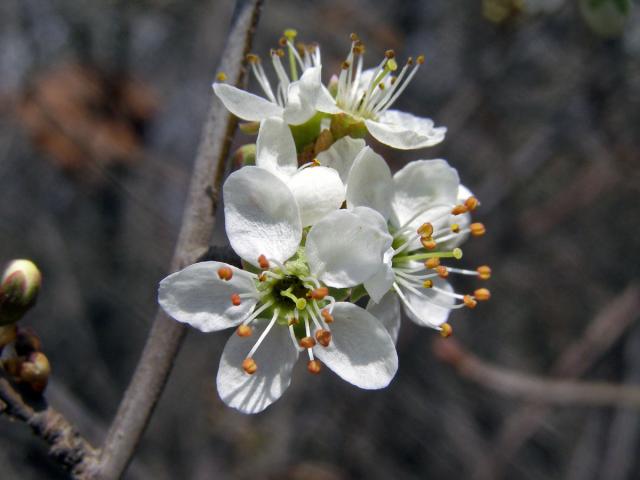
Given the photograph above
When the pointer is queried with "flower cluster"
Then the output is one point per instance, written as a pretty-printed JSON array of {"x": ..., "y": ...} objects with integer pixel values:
[{"x": 320, "y": 223}]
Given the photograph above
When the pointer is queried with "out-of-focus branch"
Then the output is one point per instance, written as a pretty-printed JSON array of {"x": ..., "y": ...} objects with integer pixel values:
[
  {"x": 66, "y": 445},
  {"x": 166, "y": 334},
  {"x": 534, "y": 388}
]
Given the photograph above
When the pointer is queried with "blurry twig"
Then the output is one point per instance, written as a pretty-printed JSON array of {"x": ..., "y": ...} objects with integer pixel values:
[
  {"x": 535, "y": 388},
  {"x": 67, "y": 446},
  {"x": 166, "y": 334},
  {"x": 605, "y": 329}
]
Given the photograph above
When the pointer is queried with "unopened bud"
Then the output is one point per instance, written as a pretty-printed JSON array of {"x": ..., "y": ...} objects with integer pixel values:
[
  {"x": 35, "y": 371},
  {"x": 249, "y": 128},
  {"x": 18, "y": 290},
  {"x": 245, "y": 155}
]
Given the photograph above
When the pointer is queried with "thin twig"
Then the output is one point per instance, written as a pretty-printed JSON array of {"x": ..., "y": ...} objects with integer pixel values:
[
  {"x": 166, "y": 334},
  {"x": 72, "y": 451},
  {"x": 535, "y": 388}
]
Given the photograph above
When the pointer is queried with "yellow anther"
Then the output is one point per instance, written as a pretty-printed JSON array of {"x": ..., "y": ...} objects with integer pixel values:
[
  {"x": 484, "y": 272},
  {"x": 455, "y": 228},
  {"x": 307, "y": 342},
  {"x": 282, "y": 41},
  {"x": 262, "y": 277},
  {"x": 358, "y": 48},
  {"x": 253, "y": 58},
  {"x": 290, "y": 33},
  {"x": 278, "y": 51},
  {"x": 425, "y": 230},
  {"x": 432, "y": 262},
  {"x": 249, "y": 366},
  {"x": 459, "y": 209},
  {"x": 315, "y": 162},
  {"x": 442, "y": 271},
  {"x": 244, "y": 331},
  {"x": 345, "y": 65},
  {"x": 221, "y": 76},
  {"x": 445, "y": 330},
  {"x": 314, "y": 366},
  {"x": 469, "y": 301},
  {"x": 354, "y": 37},
  {"x": 427, "y": 283},
  {"x": 389, "y": 54},
  {"x": 477, "y": 229},
  {"x": 420, "y": 59},
  {"x": 428, "y": 243},
  {"x": 292, "y": 321},
  {"x": 225, "y": 273},
  {"x": 482, "y": 294},
  {"x": 323, "y": 337},
  {"x": 410, "y": 61},
  {"x": 471, "y": 203}
]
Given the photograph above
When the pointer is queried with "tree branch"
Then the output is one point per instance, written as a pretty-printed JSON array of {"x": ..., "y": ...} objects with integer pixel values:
[
  {"x": 535, "y": 388},
  {"x": 166, "y": 334}
]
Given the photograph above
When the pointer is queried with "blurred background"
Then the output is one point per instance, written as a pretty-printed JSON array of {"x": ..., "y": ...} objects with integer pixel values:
[{"x": 102, "y": 107}]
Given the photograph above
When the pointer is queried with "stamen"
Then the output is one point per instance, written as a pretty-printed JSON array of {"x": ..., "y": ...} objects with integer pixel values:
[
  {"x": 477, "y": 229},
  {"x": 445, "y": 330},
  {"x": 294, "y": 340},
  {"x": 319, "y": 293},
  {"x": 263, "y": 262},
  {"x": 235, "y": 299},
  {"x": 432, "y": 263},
  {"x": 484, "y": 272},
  {"x": 427, "y": 283},
  {"x": 225, "y": 273},
  {"x": 264, "y": 333},
  {"x": 471, "y": 203},
  {"x": 323, "y": 337},
  {"x": 244, "y": 331},
  {"x": 314, "y": 366},
  {"x": 455, "y": 228},
  {"x": 459, "y": 209},
  {"x": 442, "y": 271},
  {"x": 257, "y": 312},
  {"x": 425, "y": 230},
  {"x": 428, "y": 242},
  {"x": 327, "y": 315},
  {"x": 221, "y": 77},
  {"x": 482, "y": 294},
  {"x": 307, "y": 342},
  {"x": 249, "y": 365},
  {"x": 469, "y": 301}
]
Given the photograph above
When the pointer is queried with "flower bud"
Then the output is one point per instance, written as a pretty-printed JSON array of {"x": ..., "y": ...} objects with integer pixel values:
[
  {"x": 249, "y": 128},
  {"x": 35, "y": 371},
  {"x": 245, "y": 155},
  {"x": 18, "y": 290}
]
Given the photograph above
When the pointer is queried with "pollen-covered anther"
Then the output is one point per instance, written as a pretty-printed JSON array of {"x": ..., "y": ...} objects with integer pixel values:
[
  {"x": 420, "y": 59},
  {"x": 469, "y": 301},
  {"x": 425, "y": 230},
  {"x": 225, "y": 273},
  {"x": 319, "y": 293},
  {"x": 427, "y": 283},
  {"x": 354, "y": 37},
  {"x": 235, "y": 299},
  {"x": 484, "y": 272},
  {"x": 221, "y": 76},
  {"x": 455, "y": 228},
  {"x": 249, "y": 366},
  {"x": 459, "y": 210},
  {"x": 323, "y": 337},
  {"x": 445, "y": 330},
  {"x": 428, "y": 242},
  {"x": 389, "y": 54},
  {"x": 432, "y": 262},
  {"x": 345, "y": 65},
  {"x": 307, "y": 342},
  {"x": 314, "y": 366},
  {"x": 315, "y": 162},
  {"x": 442, "y": 271},
  {"x": 471, "y": 203},
  {"x": 252, "y": 58},
  {"x": 477, "y": 229},
  {"x": 358, "y": 48},
  {"x": 282, "y": 42},
  {"x": 263, "y": 262},
  {"x": 482, "y": 294},
  {"x": 292, "y": 320},
  {"x": 244, "y": 331},
  {"x": 327, "y": 315},
  {"x": 262, "y": 277}
]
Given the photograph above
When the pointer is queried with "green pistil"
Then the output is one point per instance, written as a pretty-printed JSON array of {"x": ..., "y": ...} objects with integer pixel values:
[
  {"x": 455, "y": 253},
  {"x": 290, "y": 34},
  {"x": 300, "y": 303}
]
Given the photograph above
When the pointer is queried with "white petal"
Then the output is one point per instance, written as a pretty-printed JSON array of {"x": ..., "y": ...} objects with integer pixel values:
[
  {"x": 326, "y": 103},
  {"x": 405, "y": 131},
  {"x": 275, "y": 148},
  {"x": 430, "y": 309},
  {"x": 361, "y": 351},
  {"x": 341, "y": 154},
  {"x": 318, "y": 191},
  {"x": 346, "y": 247},
  {"x": 382, "y": 281},
  {"x": 420, "y": 185},
  {"x": 387, "y": 311},
  {"x": 261, "y": 215},
  {"x": 370, "y": 183},
  {"x": 275, "y": 359},
  {"x": 302, "y": 97},
  {"x": 197, "y": 296},
  {"x": 246, "y": 105}
]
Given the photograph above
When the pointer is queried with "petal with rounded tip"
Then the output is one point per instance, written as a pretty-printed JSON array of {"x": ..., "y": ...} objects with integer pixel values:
[
  {"x": 405, "y": 131},
  {"x": 370, "y": 183},
  {"x": 382, "y": 281},
  {"x": 346, "y": 247},
  {"x": 261, "y": 215},
  {"x": 341, "y": 154},
  {"x": 275, "y": 148},
  {"x": 387, "y": 311},
  {"x": 326, "y": 103},
  {"x": 302, "y": 97},
  {"x": 318, "y": 191},
  {"x": 361, "y": 350},
  {"x": 196, "y": 295},
  {"x": 275, "y": 359},
  {"x": 422, "y": 185},
  {"x": 431, "y": 309},
  {"x": 245, "y": 105}
]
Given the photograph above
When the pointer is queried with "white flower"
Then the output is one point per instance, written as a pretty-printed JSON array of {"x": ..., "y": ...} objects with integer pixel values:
[
  {"x": 428, "y": 214},
  {"x": 318, "y": 190},
  {"x": 285, "y": 302},
  {"x": 295, "y": 95},
  {"x": 367, "y": 96}
]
